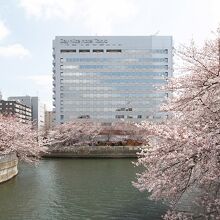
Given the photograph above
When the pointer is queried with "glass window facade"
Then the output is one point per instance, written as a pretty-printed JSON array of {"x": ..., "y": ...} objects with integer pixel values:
[{"x": 120, "y": 79}]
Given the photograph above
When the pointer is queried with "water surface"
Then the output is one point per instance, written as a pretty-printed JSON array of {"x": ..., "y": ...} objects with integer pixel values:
[{"x": 65, "y": 189}]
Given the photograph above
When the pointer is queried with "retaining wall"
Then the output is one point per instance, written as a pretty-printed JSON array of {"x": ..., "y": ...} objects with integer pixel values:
[
  {"x": 8, "y": 167},
  {"x": 96, "y": 152}
]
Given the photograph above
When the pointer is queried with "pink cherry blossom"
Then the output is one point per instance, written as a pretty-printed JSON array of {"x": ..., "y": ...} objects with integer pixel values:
[
  {"x": 87, "y": 133},
  {"x": 20, "y": 138},
  {"x": 183, "y": 154}
]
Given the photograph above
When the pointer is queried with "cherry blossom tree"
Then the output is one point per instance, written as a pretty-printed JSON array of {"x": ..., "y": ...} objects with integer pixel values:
[
  {"x": 68, "y": 136},
  {"x": 183, "y": 156},
  {"x": 122, "y": 131},
  {"x": 22, "y": 139}
]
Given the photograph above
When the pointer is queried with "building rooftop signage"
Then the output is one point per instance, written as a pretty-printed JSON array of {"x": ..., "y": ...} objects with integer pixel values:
[{"x": 83, "y": 41}]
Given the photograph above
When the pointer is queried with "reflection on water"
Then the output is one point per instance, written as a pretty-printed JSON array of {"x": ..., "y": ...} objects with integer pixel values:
[{"x": 65, "y": 189}]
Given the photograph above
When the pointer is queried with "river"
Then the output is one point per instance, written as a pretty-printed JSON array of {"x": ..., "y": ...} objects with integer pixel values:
[{"x": 78, "y": 189}]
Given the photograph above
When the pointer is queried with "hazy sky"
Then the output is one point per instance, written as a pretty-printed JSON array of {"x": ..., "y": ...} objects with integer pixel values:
[{"x": 27, "y": 28}]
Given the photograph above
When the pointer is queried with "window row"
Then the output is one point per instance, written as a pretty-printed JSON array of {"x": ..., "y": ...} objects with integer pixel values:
[
  {"x": 87, "y": 116},
  {"x": 112, "y": 81},
  {"x": 133, "y": 51},
  {"x": 111, "y": 103},
  {"x": 88, "y": 51},
  {"x": 100, "y": 108},
  {"x": 115, "y": 74},
  {"x": 126, "y": 59},
  {"x": 66, "y": 67},
  {"x": 115, "y": 88},
  {"x": 112, "y": 96}
]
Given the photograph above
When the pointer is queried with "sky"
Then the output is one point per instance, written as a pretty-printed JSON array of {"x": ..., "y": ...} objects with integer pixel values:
[{"x": 27, "y": 28}]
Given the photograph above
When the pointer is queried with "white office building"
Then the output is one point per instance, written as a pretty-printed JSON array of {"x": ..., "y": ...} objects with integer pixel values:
[{"x": 110, "y": 78}]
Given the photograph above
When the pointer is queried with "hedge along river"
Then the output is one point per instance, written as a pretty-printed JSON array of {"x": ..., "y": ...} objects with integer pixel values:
[{"x": 65, "y": 189}]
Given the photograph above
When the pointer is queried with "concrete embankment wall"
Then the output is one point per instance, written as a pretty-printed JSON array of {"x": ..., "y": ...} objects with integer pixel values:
[
  {"x": 8, "y": 167},
  {"x": 96, "y": 152}
]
